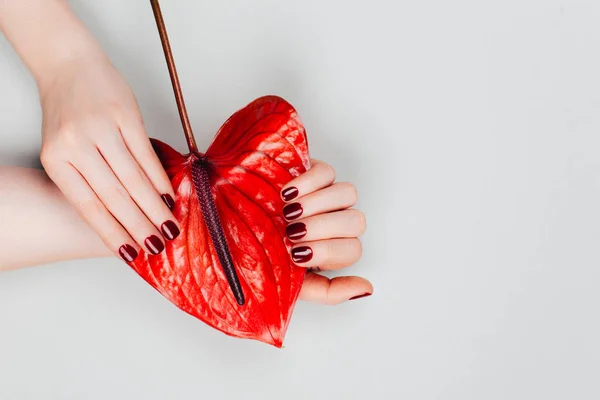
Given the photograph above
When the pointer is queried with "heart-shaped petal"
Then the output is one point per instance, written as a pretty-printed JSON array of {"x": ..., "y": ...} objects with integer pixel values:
[{"x": 257, "y": 151}]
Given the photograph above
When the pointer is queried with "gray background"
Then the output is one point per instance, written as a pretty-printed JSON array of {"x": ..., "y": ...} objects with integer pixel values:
[{"x": 471, "y": 129}]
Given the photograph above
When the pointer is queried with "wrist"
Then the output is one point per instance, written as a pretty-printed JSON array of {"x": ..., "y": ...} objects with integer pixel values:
[
  {"x": 67, "y": 45},
  {"x": 64, "y": 69}
]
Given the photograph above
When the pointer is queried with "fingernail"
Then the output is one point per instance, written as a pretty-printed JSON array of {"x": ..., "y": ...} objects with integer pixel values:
[
  {"x": 154, "y": 244},
  {"x": 360, "y": 296},
  {"x": 292, "y": 211},
  {"x": 302, "y": 254},
  {"x": 296, "y": 231},
  {"x": 169, "y": 229},
  {"x": 127, "y": 253},
  {"x": 168, "y": 201},
  {"x": 290, "y": 193}
]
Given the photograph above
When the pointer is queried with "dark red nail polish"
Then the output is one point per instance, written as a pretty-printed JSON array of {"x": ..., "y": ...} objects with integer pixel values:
[
  {"x": 296, "y": 231},
  {"x": 169, "y": 230},
  {"x": 360, "y": 296},
  {"x": 127, "y": 253},
  {"x": 168, "y": 201},
  {"x": 289, "y": 193},
  {"x": 154, "y": 244},
  {"x": 292, "y": 211},
  {"x": 302, "y": 254}
]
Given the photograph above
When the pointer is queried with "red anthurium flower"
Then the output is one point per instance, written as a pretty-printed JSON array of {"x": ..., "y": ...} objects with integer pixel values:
[{"x": 231, "y": 267}]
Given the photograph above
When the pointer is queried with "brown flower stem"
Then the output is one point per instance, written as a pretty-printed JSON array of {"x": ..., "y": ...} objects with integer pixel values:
[
  {"x": 199, "y": 169},
  {"x": 164, "y": 39}
]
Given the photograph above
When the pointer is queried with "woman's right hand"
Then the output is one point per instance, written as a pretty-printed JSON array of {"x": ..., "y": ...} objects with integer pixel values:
[{"x": 96, "y": 150}]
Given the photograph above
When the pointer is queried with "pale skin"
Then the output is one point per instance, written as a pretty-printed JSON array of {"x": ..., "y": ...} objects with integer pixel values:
[{"x": 104, "y": 187}]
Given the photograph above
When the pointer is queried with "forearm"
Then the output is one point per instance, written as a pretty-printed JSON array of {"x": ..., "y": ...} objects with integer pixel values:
[
  {"x": 46, "y": 34},
  {"x": 38, "y": 225}
]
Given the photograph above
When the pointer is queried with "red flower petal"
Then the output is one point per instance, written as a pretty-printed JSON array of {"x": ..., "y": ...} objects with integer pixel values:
[{"x": 257, "y": 151}]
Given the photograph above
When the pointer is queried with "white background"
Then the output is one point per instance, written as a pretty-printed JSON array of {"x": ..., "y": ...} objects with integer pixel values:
[{"x": 471, "y": 129}]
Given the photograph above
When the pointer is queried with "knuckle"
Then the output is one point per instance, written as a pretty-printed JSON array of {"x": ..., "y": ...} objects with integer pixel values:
[
  {"x": 143, "y": 227},
  {"x": 91, "y": 128},
  {"x": 68, "y": 136},
  {"x": 329, "y": 171},
  {"x": 116, "y": 194},
  {"x": 332, "y": 249},
  {"x": 349, "y": 192},
  {"x": 330, "y": 298},
  {"x": 114, "y": 107},
  {"x": 118, "y": 107},
  {"x": 135, "y": 117},
  {"x": 134, "y": 178},
  {"x": 48, "y": 156},
  {"x": 147, "y": 152},
  {"x": 88, "y": 207},
  {"x": 109, "y": 138},
  {"x": 357, "y": 246},
  {"x": 351, "y": 247},
  {"x": 120, "y": 193},
  {"x": 359, "y": 220},
  {"x": 319, "y": 224}
]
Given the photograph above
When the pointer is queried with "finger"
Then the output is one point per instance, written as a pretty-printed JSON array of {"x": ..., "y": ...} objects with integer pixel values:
[
  {"x": 137, "y": 184},
  {"x": 319, "y": 175},
  {"x": 320, "y": 289},
  {"x": 335, "y": 197},
  {"x": 327, "y": 254},
  {"x": 117, "y": 200},
  {"x": 92, "y": 211},
  {"x": 340, "y": 224},
  {"x": 140, "y": 147}
]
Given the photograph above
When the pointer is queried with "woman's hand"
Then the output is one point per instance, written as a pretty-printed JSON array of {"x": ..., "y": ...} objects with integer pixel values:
[
  {"x": 96, "y": 150},
  {"x": 325, "y": 233},
  {"x": 94, "y": 144}
]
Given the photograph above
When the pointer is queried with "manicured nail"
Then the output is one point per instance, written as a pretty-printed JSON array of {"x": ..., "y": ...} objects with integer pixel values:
[
  {"x": 169, "y": 229},
  {"x": 168, "y": 201},
  {"x": 289, "y": 193},
  {"x": 296, "y": 231},
  {"x": 292, "y": 211},
  {"x": 154, "y": 244},
  {"x": 360, "y": 296},
  {"x": 302, "y": 254},
  {"x": 127, "y": 253}
]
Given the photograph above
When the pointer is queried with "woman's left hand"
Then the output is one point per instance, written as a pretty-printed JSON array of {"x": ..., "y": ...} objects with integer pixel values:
[{"x": 325, "y": 230}]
